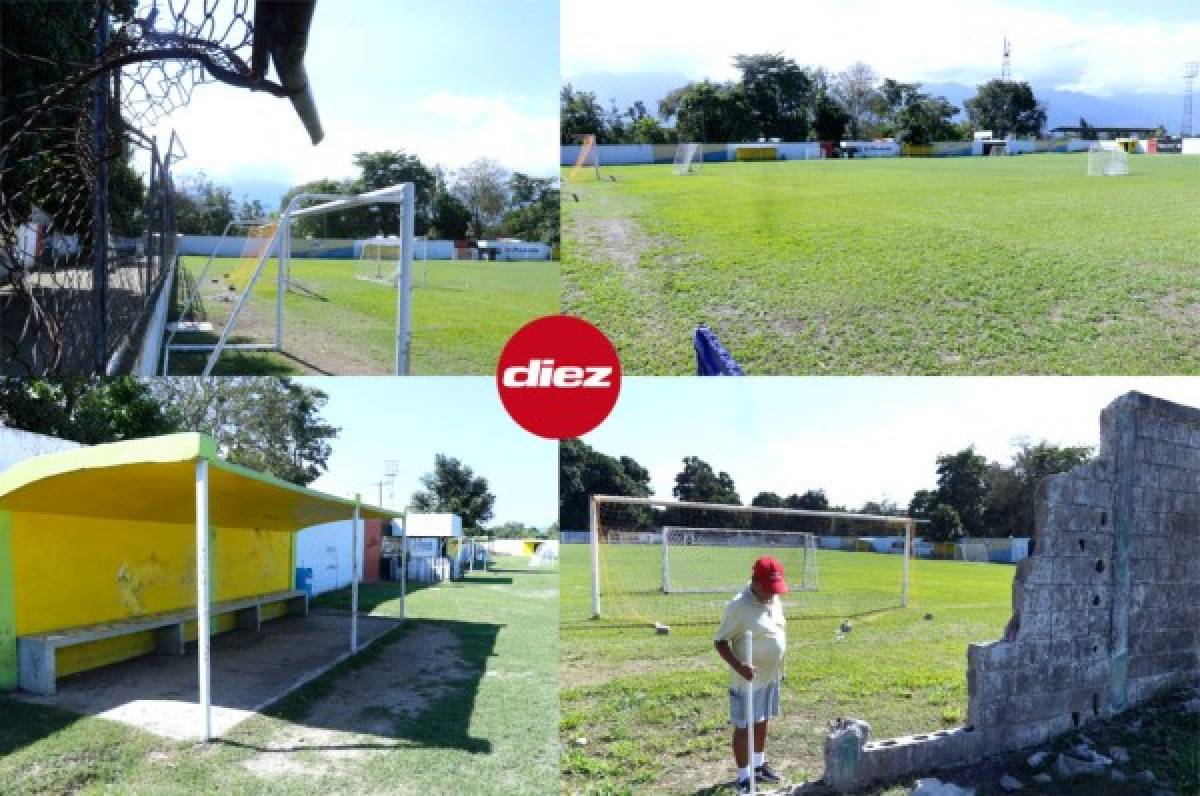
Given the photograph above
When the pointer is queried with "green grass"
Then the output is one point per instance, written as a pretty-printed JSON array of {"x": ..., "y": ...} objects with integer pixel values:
[
  {"x": 463, "y": 313},
  {"x": 653, "y": 709},
  {"x": 894, "y": 266},
  {"x": 492, "y": 735}
]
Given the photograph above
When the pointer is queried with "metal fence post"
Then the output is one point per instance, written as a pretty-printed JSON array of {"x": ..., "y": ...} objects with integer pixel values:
[{"x": 100, "y": 200}]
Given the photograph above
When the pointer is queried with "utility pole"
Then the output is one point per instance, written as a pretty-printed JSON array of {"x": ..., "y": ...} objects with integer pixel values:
[{"x": 1190, "y": 71}]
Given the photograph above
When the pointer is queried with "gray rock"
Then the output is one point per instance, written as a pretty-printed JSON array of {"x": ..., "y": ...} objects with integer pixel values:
[
  {"x": 1036, "y": 759},
  {"x": 1134, "y": 726},
  {"x": 1069, "y": 767},
  {"x": 846, "y": 626},
  {"x": 935, "y": 787},
  {"x": 1010, "y": 784},
  {"x": 1116, "y": 776},
  {"x": 1191, "y": 706},
  {"x": 1119, "y": 754},
  {"x": 843, "y": 753},
  {"x": 1082, "y": 751},
  {"x": 661, "y": 629},
  {"x": 1043, "y": 778},
  {"x": 580, "y": 741},
  {"x": 1145, "y": 777}
]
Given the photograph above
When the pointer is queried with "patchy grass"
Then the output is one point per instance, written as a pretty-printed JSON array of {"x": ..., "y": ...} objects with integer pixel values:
[
  {"x": 335, "y": 323},
  {"x": 654, "y": 712},
  {"x": 478, "y": 718},
  {"x": 894, "y": 266}
]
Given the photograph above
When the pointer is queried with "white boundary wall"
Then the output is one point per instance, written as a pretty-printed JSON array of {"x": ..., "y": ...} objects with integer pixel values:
[
  {"x": 1191, "y": 146},
  {"x": 17, "y": 446},
  {"x": 325, "y": 549}
]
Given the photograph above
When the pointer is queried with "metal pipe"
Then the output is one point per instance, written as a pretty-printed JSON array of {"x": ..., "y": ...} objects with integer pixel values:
[
  {"x": 404, "y": 294},
  {"x": 685, "y": 504},
  {"x": 203, "y": 639},
  {"x": 594, "y": 536},
  {"x": 354, "y": 550}
]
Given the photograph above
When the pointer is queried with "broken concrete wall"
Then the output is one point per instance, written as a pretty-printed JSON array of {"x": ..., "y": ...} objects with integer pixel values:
[{"x": 1106, "y": 611}]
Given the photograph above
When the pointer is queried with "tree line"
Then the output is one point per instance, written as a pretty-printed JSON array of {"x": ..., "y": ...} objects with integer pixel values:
[
  {"x": 972, "y": 497},
  {"x": 270, "y": 425},
  {"x": 480, "y": 200},
  {"x": 777, "y": 98}
]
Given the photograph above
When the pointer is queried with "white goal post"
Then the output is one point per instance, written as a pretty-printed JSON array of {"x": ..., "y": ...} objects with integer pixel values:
[
  {"x": 801, "y": 543},
  {"x": 596, "y": 502},
  {"x": 1107, "y": 159},
  {"x": 688, "y": 158},
  {"x": 280, "y": 245}
]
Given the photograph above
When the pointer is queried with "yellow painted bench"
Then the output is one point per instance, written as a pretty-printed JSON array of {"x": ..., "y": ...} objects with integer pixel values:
[{"x": 36, "y": 653}]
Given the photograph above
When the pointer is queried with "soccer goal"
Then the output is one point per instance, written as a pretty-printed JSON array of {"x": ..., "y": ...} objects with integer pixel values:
[
  {"x": 588, "y": 158},
  {"x": 279, "y": 246},
  {"x": 689, "y": 158},
  {"x": 677, "y": 563},
  {"x": 972, "y": 551},
  {"x": 695, "y": 560},
  {"x": 1107, "y": 159}
]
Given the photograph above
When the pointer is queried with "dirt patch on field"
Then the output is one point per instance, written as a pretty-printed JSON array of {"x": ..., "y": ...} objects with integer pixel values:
[{"x": 358, "y": 715}]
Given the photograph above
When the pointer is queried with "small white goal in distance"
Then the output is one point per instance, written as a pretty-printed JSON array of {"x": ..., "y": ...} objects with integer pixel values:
[
  {"x": 1107, "y": 159},
  {"x": 688, "y": 158},
  {"x": 972, "y": 551},
  {"x": 688, "y": 573}
]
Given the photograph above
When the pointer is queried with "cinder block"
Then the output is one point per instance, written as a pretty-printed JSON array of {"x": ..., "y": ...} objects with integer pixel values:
[{"x": 170, "y": 640}]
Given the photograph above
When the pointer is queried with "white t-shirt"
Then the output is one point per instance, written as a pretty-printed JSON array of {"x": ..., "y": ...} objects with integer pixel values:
[{"x": 768, "y": 630}]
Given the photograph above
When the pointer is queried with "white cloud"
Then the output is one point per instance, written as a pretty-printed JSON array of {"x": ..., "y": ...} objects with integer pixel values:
[
  {"x": 942, "y": 40},
  {"x": 234, "y": 135}
]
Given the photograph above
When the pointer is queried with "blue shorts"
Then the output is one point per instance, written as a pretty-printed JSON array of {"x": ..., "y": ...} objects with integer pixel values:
[{"x": 766, "y": 704}]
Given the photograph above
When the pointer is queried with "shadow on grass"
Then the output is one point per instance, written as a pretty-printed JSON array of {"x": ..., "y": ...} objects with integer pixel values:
[
  {"x": 444, "y": 722},
  {"x": 22, "y": 724},
  {"x": 601, "y": 623}
]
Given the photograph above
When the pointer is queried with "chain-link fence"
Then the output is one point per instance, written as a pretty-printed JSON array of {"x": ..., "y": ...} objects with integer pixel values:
[{"x": 87, "y": 237}]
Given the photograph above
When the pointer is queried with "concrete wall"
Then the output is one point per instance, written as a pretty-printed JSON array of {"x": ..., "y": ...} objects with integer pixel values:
[
  {"x": 16, "y": 446},
  {"x": 325, "y": 549},
  {"x": 1191, "y": 146},
  {"x": 1106, "y": 610}
]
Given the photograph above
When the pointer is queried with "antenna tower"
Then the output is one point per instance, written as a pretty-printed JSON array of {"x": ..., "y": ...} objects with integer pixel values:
[{"x": 1190, "y": 71}]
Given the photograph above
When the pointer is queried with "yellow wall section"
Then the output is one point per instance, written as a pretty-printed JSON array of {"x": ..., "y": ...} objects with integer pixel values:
[
  {"x": 81, "y": 657},
  {"x": 70, "y": 572}
]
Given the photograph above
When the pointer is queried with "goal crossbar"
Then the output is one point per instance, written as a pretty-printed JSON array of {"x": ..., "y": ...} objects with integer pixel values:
[
  {"x": 596, "y": 501},
  {"x": 403, "y": 194}
]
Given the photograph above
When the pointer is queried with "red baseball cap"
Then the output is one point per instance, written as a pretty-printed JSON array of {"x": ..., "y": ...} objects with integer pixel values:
[{"x": 768, "y": 574}]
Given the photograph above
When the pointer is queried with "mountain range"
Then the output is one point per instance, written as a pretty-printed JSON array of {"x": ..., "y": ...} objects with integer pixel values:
[{"x": 1063, "y": 108}]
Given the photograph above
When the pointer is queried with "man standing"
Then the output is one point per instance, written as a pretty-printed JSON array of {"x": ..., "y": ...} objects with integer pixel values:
[{"x": 758, "y": 610}]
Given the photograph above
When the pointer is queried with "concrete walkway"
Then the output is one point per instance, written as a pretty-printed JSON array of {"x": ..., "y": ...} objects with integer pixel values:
[{"x": 249, "y": 671}]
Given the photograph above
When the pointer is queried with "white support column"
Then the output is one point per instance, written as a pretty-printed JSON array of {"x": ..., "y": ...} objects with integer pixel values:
[
  {"x": 203, "y": 637},
  {"x": 908, "y": 550},
  {"x": 594, "y": 529},
  {"x": 403, "y": 565},
  {"x": 750, "y": 711},
  {"x": 404, "y": 293},
  {"x": 354, "y": 549}
]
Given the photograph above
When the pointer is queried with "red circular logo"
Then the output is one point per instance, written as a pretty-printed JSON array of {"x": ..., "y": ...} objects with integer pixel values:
[{"x": 558, "y": 377}]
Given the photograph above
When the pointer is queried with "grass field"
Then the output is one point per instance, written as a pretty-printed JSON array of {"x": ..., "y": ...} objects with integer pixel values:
[
  {"x": 654, "y": 712},
  {"x": 894, "y": 266},
  {"x": 482, "y": 713},
  {"x": 463, "y": 313}
]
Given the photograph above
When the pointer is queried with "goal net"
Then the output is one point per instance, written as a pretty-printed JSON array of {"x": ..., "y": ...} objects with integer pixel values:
[
  {"x": 678, "y": 563},
  {"x": 715, "y": 560},
  {"x": 1107, "y": 159},
  {"x": 688, "y": 158},
  {"x": 971, "y": 551},
  {"x": 379, "y": 261}
]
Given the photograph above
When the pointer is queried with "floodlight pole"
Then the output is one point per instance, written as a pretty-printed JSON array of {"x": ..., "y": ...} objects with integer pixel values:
[
  {"x": 354, "y": 572},
  {"x": 404, "y": 294},
  {"x": 594, "y": 532},
  {"x": 203, "y": 638}
]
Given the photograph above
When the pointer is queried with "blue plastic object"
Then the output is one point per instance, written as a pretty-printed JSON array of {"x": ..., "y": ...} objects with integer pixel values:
[
  {"x": 712, "y": 358},
  {"x": 304, "y": 580}
]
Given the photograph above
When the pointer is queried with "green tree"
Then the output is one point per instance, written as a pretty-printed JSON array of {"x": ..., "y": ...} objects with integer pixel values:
[
  {"x": 579, "y": 114},
  {"x": 584, "y": 471},
  {"x": 451, "y": 218},
  {"x": 1006, "y": 108},
  {"x": 710, "y": 112},
  {"x": 453, "y": 487},
  {"x": 1012, "y": 490},
  {"x": 831, "y": 119},
  {"x": 271, "y": 425},
  {"x": 202, "y": 207},
  {"x": 535, "y": 209},
  {"x": 944, "y": 524},
  {"x": 482, "y": 187},
  {"x": 698, "y": 482},
  {"x": 962, "y": 485},
  {"x": 855, "y": 90},
  {"x": 924, "y": 119},
  {"x": 778, "y": 93},
  {"x": 387, "y": 168},
  {"x": 88, "y": 411}
]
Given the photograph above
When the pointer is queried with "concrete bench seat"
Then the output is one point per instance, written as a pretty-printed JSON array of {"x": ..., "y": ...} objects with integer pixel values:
[{"x": 36, "y": 659}]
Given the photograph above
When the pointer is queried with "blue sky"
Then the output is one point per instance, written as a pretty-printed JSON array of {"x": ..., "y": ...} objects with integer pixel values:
[
  {"x": 450, "y": 81},
  {"x": 1093, "y": 46},
  {"x": 860, "y": 438},
  {"x": 412, "y": 420}
]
